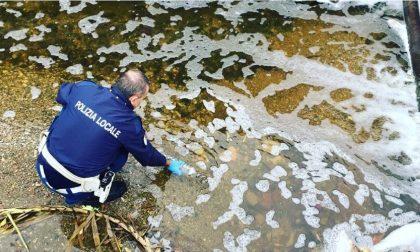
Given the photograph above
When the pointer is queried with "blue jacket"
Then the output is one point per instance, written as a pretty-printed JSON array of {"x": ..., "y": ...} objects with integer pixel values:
[{"x": 95, "y": 124}]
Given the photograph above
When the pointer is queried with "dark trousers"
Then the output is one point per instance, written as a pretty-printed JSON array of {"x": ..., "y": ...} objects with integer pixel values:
[{"x": 58, "y": 181}]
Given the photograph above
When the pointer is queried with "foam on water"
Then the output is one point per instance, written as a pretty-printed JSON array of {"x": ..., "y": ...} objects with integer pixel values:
[
  {"x": 217, "y": 176},
  {"x": 130, "y": 26},
  {"x": 263, "y": 185},
  {"x": 269, "y": 219},
  {"x": 17, "y": 34},
  {"x": 342, "y": 198},
  {"x": 65, "y": 6},
  {"x": 372, "y": 223},
  {"x": 257, "y": 159},
  {"x": 226, "y": 156},
  {"x": 14, "y": 12},
  {"x": 75, "y": 69},
  {"x": 275, "y": 174},
  {"x": 18, "y": 47},
  {"x": 39, "y": 15},
  {"x": 237, "y": 193},
  {"x": 179, "y": 212},
  {"x": 35, "y": 92},
  {"x": 394, "y": 200},
  {"x": 89, "y": 24},
  {"x": 45, "y": 61},
  {"x": 56, "y": 51},
  {"x": 242, "y": 240},
  {"x": 202, "y": 198},
  {"x": 42, "y": 29},
  {"x": 361, "y": 194},
  {"x": 300, "y": 242},
  {"x": 9, "y": 114},
  {"x": 285, "y": 192},
  {"x": 155, "y": 221}
]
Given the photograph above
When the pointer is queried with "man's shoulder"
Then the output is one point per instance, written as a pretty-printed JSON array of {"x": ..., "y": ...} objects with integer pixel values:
[{"x": 87, "y": 82}]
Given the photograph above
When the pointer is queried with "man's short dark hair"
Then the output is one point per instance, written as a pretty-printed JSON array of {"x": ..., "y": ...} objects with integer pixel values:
[{"x": 132, "y": 82}]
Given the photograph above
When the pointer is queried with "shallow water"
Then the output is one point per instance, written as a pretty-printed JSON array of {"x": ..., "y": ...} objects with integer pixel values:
[{"x": 301, "y": 115}]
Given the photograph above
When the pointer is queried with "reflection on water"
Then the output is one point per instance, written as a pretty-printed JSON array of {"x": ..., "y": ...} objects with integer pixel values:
[{"x": 300, "y": 115}]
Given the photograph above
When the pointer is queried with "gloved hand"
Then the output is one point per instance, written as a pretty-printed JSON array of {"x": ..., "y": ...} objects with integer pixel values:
[{"x": 175, "y": 167}]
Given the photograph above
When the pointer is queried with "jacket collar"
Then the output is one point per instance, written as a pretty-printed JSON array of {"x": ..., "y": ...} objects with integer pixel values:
[{"x": 117, "y": 92}]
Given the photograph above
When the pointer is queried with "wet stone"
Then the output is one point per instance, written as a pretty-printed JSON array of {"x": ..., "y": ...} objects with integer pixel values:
[{"x": 251, "y": 198}]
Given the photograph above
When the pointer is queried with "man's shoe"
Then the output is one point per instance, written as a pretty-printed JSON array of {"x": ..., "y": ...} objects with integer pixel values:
[{"x": 118, "y": 188}]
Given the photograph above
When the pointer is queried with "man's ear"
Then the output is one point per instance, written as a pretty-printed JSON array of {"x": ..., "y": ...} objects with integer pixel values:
[{"x": 132, "y": 98}]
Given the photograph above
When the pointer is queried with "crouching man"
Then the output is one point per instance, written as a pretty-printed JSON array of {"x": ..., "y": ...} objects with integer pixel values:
[{"x": 89, "y": 141}]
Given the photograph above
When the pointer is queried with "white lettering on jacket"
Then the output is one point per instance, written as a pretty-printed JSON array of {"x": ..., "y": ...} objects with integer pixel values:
[{"x": 89, "y": 113}]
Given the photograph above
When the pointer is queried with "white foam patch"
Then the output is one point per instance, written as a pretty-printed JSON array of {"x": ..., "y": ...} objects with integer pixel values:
[
  {"x": 199, "y": 133},
  {"x": 210, "y": 106},
  {"x": 175, "y": 18},
  {"x": 89, "y": 24},
  {"x": 300, "y": 242},
  {"x": 269, "y": 219},
  {"x": 14, "y": 12},
  {"x": 155, "y": 221},
  {"x": 275, "y": 174},
  {"x": 371, "y": 224},
  {"x": 285, "y": 192},
  {"x": 75, "y": 69},
  {"x": 296, "y": 201},
  {"x": 277, "y": 148},
  {"x": 314, "y": 49},
  {"x": 202, "y": 198},
  {"x": 237, "y": 193},
  {"x": 182, "y": 150},
  {"x": 242, "y": 240},
  {"x": 263, "y": 185},
  {"x": 57, "y": 108},
  {"x": 178, "y": 212},
  {"x": 181, "y": 4},
  {"x": 217, "y": 176},
  {"x": 18, "y": 47},
  {"x": 376, "y": 196},
  {"x": 342, "y": 198},
  {"x": 348, "y": 175},
  {"x": 56, "y": 51},
  {"x": 9, "y": 114},
  {"x": 226, "y": 156},
  {"x": 361, "y": 194},
  {"x": 155, "y": 11},
  {"x": 35, "y": 92},
  {"x": 311, "y": 201},
  {"x": 257, "y": 159},
  {"x": 147, "y": 22},
  {"x": 17, "y": 34},
  {"x": 394, "y": 200},
  {"x": 39, "y": 15},
  {"x": 65, "y": 6},
  {"x": 202, "y": 165},
  {"x": 1, "y": 23},
  {"x": 130, "y": 26},
  {"x": 156, "y": 114},
  {"x": 45, "y": 61},
  {"x": 42, "y": 29}
]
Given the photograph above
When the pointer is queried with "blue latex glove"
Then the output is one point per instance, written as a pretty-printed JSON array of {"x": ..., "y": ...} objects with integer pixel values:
[{"x": 175, "y": 166}]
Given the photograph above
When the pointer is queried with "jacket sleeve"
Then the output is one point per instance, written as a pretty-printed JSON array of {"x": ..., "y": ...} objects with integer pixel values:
[
  {"x": 64, "y": 92},
  {"x": 143, "y": 151}
]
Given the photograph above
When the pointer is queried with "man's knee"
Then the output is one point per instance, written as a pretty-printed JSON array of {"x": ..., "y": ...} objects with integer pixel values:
[{"x": 119, "y": 161}]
